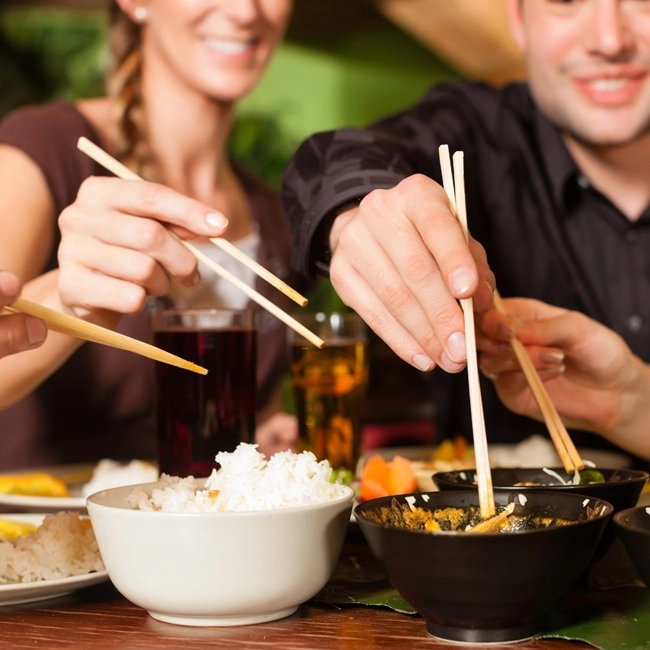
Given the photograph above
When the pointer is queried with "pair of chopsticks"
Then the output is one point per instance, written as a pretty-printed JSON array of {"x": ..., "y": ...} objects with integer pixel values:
[
  {"x": 559, "y": 435},
  {"x": 71, "y": 326},
  {"x": 454, "y": 185},
  {"x": 123, "y": 172}
]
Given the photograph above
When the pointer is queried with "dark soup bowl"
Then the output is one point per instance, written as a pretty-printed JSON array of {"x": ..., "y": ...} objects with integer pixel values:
[
  {"x": 621, "y": 488},
  {"x": 633, "y": 526},
  {"x": 490, "y": 587}
]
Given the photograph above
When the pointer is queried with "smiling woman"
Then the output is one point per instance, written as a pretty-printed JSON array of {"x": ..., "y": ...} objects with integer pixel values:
[{"x": 178, "y": 70}]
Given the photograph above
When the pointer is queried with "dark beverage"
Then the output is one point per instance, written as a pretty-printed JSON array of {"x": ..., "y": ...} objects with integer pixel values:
[{"x": 200, "y": 415}]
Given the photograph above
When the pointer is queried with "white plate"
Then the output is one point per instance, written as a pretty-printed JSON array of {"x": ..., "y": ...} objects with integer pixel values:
[
  {"x": 74, "y": 475},
  {"x": 27, "y": 592}
]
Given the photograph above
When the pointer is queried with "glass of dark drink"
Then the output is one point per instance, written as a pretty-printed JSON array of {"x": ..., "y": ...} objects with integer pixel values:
[{"x": 200, "y": 415}]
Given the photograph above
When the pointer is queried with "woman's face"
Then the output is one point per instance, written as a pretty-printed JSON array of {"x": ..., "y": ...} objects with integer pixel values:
[{"x": 217, "y": 47}]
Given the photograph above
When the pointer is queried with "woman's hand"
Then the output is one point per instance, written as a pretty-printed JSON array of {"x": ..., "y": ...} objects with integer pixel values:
[
  {"x": 116, "y": 245},
  {"x": 401, "y": 261},
  {"x": 18, "y": 332},
  {"x": 593, "y": 378}
]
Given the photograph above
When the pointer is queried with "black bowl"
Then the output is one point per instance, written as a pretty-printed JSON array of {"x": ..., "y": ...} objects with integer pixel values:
[
  {"x": 489, "y": 587},
  {"x": 622, "y": 487},
  {"x": 633, "y": 526}
]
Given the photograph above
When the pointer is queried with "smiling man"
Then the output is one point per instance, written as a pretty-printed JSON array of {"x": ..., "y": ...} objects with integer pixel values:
[{"x": 558, "y": 189}]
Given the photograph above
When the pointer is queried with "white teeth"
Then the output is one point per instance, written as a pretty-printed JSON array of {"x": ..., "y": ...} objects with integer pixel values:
[
  {"x": 227, "y": 47},
  {"x": 608, "y": 85}
]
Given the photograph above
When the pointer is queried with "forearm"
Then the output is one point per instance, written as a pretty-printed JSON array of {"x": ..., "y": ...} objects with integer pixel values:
[{"x": 631, "y": 430}]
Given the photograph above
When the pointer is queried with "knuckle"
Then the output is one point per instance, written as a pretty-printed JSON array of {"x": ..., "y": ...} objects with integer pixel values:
[
  {"x": 149, "y": 235},
  {"x": 134, "y": 300},
  {"x": 397, "y": 297},
  {"x": 419, "y": 270}
]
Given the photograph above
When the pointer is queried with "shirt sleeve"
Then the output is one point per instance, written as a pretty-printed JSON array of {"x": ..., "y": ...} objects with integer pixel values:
[{"x": 333, "y": 168}]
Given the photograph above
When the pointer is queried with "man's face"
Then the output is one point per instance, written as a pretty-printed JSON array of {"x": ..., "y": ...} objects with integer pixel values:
[{"x": 588, "y": 65}]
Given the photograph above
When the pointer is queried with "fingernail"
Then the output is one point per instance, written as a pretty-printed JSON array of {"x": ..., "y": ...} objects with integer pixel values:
[
  {"x": 553, "y": 357},
  {"x": 461, "y": 280},
  {"x": 552, "y": 372},
  {"x": 422, "y": 362},
  {"x": 36, "y": 330},
  {"x": 449, "y": 365},
  {"x": 505, "y": 331},
  {"x": 456, "y": 347},
  {"x": 216, "y": 220}
]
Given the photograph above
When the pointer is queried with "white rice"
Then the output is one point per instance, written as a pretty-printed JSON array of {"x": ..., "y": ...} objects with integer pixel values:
[
  {"x": 111, "y": 473},
  {"x": 64, "y": 545},
  {"x": 246, "y": 481}
]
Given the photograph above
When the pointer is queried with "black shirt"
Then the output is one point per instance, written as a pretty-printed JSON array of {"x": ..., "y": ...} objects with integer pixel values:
[{"x": 549, "y": 234}]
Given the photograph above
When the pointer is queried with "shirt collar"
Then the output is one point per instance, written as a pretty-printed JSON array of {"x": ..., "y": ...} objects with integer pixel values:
[{"x": 561, "y": 169}]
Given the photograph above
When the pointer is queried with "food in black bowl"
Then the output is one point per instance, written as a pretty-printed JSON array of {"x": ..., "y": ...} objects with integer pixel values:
[
  {"x": 490, "y": 587},
  {"x": 633, "y": 526},
  {"x": 620, "y": 487}
]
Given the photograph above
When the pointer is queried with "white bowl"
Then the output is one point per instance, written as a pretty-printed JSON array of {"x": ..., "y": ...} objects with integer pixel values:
[{"x": 226, "y": 568}]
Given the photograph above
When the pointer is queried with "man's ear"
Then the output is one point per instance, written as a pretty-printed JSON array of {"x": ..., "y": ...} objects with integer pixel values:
[{"x": 515, "y": 11}]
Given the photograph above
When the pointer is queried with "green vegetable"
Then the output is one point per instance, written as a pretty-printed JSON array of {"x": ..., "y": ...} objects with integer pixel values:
[
  {"x": 588, "y": 476},
  {"x": 344, "y": 476}
]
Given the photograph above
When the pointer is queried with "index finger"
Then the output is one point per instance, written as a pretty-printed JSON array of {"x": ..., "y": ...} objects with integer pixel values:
[{"x": 155, "y": 201}]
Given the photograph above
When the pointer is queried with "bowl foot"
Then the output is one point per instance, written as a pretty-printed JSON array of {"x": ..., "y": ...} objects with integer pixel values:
[
  {"x": 483, "y": 636},
  {"x": 222, "y": 621}
]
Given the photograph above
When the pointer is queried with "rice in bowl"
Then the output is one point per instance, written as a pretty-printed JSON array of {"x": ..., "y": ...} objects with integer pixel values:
[{"x": 246, "y": 481}]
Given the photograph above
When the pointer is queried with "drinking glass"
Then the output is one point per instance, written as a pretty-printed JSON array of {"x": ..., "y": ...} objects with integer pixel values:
[
  {"x": 330, "y": 386},
  {"x": 200, "y": 415}
]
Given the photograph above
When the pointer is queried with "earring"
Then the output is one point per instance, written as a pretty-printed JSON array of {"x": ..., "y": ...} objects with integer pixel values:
[{"x": 140, "y": 14}]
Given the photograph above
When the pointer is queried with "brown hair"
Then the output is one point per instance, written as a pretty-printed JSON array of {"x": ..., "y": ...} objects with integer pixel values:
[{"x": 123, "y": 86}]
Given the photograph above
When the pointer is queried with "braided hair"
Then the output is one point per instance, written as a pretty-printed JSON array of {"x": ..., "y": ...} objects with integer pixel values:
[{"x": 124, "y": 87}]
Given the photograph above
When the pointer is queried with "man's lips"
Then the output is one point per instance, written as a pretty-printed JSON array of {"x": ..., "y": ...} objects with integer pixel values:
[{"x": 610, "y": 90}]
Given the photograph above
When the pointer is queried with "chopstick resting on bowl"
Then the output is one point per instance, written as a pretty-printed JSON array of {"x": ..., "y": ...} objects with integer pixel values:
[
  {"x": 456, "y": 195},
  {"x": 123, "y": 172},
  {"x": 72, "y": 326},
  {"x": 559, "y": 435}
]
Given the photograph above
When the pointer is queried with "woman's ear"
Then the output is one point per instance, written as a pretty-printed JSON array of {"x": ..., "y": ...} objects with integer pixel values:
[
  {"x": 515, "y": 11},
  {"x": 136, "y": 10}
]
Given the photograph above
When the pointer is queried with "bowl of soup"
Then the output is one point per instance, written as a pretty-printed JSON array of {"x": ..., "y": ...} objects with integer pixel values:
[{"x": 494, "y": 586}]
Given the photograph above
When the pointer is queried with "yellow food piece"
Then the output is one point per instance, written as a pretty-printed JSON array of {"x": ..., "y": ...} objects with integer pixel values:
[
  {"x": 37, "y": 484},
  {"x": 11, "y": 529}
]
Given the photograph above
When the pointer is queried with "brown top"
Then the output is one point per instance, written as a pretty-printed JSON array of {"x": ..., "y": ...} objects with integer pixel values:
[{"x": 99, "y": 404}]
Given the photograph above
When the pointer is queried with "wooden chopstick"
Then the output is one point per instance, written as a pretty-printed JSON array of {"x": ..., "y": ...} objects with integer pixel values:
[
  {"x": 456, "y": 194},
  {"x": 123, "y": 172},
  {"x": 559, "y": 435},
  {"x": 65, "y": 324}
]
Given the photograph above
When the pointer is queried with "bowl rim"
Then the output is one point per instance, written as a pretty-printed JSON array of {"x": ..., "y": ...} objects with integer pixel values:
[
  {"x": 635, "y": 476},
  {"x": 606, "y": 512},
  {"x": 619, "y": 519},
  {"x": 91, "y": 501}
]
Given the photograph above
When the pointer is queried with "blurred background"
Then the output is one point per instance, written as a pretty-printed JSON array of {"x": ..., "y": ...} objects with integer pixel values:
[{"x": 343, "y": 63}]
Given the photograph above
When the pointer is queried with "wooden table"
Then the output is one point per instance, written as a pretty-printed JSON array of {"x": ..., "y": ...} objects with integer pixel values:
[{"x": 99, "y": 618}]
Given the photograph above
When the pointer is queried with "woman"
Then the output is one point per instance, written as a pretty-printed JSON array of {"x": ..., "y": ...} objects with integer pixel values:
[
  {"x": 180, "y": 66},
  {"x": 595, "y": 381}
]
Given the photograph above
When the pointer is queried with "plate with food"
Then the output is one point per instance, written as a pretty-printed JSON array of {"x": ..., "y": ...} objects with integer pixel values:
[
  {"x": 65, "y": 487},
  {"x": 45, "y": 556},
  {"x": 420, "y": 462}
]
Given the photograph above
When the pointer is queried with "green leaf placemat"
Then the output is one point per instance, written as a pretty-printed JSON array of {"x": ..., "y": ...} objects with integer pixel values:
[
  {"x": 609, "y": 619},
  {"x": 359, "y": 581}
]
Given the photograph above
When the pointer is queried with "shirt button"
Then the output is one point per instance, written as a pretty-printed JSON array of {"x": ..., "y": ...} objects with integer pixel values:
[
  {"x": 631, "y": 236},
  {"x": 635, "y": 323},
  {"x": 583, "y": 181}
]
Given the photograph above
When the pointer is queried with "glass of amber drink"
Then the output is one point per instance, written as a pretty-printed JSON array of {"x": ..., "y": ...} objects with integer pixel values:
[{"x": 330, "y": 385}]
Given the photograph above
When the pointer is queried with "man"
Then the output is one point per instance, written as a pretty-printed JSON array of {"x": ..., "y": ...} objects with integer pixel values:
[
  {"x": 18, "y": 332},
  {"x": 557, "y": 195}
]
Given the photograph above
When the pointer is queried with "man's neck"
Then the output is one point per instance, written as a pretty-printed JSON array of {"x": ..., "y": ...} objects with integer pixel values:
[{"x": 620, "y": 173}]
